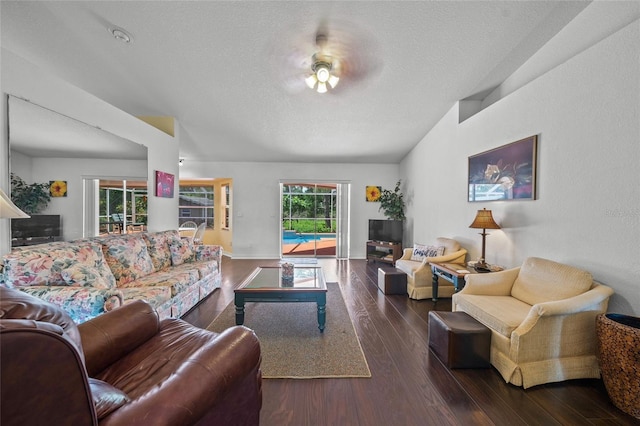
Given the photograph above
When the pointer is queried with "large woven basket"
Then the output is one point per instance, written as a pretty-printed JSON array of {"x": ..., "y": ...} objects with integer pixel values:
[{"x": 618, "y": 355}]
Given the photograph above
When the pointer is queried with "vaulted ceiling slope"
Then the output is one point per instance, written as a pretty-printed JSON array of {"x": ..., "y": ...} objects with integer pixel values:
[{"x": 231, "y": 72}]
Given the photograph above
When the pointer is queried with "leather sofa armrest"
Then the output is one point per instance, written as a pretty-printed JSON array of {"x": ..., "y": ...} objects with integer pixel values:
[
  {"x": 110, "y": 336},
  {"x": 198, "y": 389},
  {"x": 43, "y": 377},
  {"x": 25, "y": 324}
]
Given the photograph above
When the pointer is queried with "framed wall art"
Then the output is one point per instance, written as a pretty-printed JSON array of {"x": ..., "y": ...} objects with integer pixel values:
[
  {"x": 504, "y": 173},
  {"x": 373, "y": 193},
  {"x": 58, "y": 188},
  {"x": 164, "y": 184}
]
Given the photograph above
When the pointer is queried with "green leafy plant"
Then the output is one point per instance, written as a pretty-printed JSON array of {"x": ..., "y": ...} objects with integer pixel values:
[
  {"x": 392, "y": 203},
  {"x": 30, "y": 198}
]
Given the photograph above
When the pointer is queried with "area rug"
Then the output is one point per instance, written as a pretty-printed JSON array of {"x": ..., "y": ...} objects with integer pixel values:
[{"x": 293, "y": 346}]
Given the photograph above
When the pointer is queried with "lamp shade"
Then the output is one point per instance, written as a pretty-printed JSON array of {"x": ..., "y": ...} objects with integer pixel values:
[
  {"x": 8, "y": 209},
  {"x": 484, "y": 220}
]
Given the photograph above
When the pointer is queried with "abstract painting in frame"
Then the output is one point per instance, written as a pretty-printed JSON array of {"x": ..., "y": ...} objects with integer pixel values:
[
  {"x": 164, "y": 184},
  {"x": 504, "y": 173}
]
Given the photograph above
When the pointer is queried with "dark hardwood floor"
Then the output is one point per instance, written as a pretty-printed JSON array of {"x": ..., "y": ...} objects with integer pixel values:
[{"x": 409, "y": 384}]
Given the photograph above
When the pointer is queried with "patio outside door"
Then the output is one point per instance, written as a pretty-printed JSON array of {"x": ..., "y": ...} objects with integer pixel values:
[{"x": 310, "y": 224}]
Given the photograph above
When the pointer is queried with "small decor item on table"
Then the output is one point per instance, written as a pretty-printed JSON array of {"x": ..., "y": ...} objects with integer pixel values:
[
  {"x": 287, "y": 274},
  {"x": 618, "y": 353}
]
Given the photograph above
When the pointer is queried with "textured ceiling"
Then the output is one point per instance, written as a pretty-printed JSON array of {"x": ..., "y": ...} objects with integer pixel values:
[{"x": 229, "y": 71}]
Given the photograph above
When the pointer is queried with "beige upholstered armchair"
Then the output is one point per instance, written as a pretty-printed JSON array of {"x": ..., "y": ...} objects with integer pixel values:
[
  {"x": 542, "y": 320},
  {"x": 419, "y": 278}
]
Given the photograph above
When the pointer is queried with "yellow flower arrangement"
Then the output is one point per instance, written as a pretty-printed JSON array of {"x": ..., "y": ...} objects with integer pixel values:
[
  {"x": 58, "y": 188},
  {"x": 373, "y": 193}
]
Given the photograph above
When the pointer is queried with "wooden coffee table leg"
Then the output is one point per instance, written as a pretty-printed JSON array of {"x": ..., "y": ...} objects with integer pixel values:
[
  {"x": 239, "y": 302},
  {"x": 322, "y": 311}
]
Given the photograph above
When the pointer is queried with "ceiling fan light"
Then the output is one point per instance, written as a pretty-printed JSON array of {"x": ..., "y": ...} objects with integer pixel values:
[
  {"x": 322, "y": 73},
  {"x": 322, "y": 87},
  {"x": 333, "y": 81},
  {"x": 311, "y": 81}
]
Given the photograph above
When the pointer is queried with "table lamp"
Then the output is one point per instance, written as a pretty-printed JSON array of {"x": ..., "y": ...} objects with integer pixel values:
[
  {"x": 484, "y": 220},
  {"x": 8, "y": 210}
]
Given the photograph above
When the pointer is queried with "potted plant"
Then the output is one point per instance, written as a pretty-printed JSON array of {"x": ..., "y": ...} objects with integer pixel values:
[
  {"x": 30, "y": 198},
  {"x": 392, "y": 203}
]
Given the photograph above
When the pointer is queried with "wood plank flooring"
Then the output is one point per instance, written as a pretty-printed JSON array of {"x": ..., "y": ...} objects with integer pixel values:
[{"x": 409, "y": 384}]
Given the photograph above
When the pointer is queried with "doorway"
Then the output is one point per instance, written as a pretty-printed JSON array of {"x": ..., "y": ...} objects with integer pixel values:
[
  {"x": 114, "y": 206},
  {"x": 313, "y": 220}
]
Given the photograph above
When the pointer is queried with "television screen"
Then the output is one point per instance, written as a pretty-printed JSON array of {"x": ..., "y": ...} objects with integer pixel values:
[
  {"x": 37, "y": 226},
  {"x": 388, "y": 231}
]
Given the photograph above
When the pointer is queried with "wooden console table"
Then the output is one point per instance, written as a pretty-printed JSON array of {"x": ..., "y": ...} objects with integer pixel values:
[{"x": 384, "y": 252}]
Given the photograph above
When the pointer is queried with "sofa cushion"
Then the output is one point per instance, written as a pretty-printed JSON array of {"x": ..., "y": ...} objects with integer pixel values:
[
  {"x": 43, "y": 264},
  {"x": 502, "y": 314},
  {"x": 175, "y": 279},
  {"x": 155, "y": 296},
  {"x": 158, "y": 246},
  {"x": 203, "y": 268},
  {"x": 128, "y": 258},
  {"x": 181, "y": 251},
  {"x": 542, "y": 280},
  {"x": 421, "y": 252},
  {"x": 106, "y": 398},
  {"x": 85, "y": 276}
]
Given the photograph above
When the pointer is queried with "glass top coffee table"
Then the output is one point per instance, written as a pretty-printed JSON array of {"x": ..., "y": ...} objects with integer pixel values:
[{"x": 265, "y": 284}]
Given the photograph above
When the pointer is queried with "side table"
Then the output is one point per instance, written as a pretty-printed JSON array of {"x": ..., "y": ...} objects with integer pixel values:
[{"x": 452, "y": 272}]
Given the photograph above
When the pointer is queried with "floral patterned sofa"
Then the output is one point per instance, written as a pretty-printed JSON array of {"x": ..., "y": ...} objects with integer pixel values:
[{"x": 90, "y": 276}]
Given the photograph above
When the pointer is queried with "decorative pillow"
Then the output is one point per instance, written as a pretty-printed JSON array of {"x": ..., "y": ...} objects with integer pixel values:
[
  {"x": 80, "y": 275},
  {"x": 420, "y": 252},
  {"x": 158, "y": 247},
  {"x": 181, "y": 252},
  {"x": 127, "y": 258},
  {"x": 106, "y": 398}
]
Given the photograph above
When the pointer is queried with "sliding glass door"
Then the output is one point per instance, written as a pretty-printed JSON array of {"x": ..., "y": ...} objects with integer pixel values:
[{"x": 313, "y": 219}]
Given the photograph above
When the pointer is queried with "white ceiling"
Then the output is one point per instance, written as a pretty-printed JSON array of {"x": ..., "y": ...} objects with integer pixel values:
[
  {"x": 226, "y": 70},
  {"x": 59, "y": 136}
]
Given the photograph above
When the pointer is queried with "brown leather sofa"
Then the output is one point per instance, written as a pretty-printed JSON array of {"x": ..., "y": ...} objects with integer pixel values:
[{"x": 124, "y": 367}]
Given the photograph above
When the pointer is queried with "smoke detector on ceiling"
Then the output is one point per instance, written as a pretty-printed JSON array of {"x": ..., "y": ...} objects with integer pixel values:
[{"x": 120, "y": 34}]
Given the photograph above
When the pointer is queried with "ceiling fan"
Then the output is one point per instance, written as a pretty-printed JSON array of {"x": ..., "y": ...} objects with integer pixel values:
[
  {"x": 345, "y": 54},
  {"x": 322, "y": 67}
]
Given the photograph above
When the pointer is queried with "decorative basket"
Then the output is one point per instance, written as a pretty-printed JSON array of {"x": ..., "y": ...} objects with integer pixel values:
[{"x": 618, "y": 352}]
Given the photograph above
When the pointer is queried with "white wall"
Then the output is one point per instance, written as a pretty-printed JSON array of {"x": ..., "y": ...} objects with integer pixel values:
[
  {"x": 73, "y": 170},
  {"x": 256, "y": 199},
  {"x": 586, "y": 112},
  {"x": 23, "y": 79}
]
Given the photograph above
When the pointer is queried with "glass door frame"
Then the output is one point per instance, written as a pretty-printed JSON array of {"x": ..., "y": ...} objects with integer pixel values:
[{"x": 341, "y": 195}]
